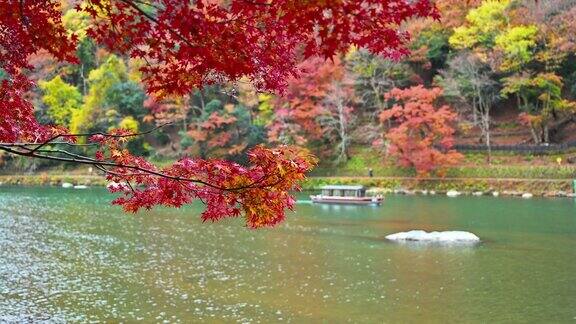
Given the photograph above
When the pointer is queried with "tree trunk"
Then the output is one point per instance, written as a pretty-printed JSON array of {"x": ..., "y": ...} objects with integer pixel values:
[
  {"x": 488, "y": 140},
  {"x": 535, "y": 136},
  {"x": 486, "y": 126},
  {"x": 474, "y": 112},
  {"x": 343, "y": 157},
  {"x": 83, "y": 79}
]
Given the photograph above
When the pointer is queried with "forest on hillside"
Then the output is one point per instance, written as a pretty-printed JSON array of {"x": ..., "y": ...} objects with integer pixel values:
[{"x": 488, "y": 72}]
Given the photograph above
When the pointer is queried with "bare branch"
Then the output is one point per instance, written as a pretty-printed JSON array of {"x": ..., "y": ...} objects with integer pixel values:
[{"x": 49, "y": 141}]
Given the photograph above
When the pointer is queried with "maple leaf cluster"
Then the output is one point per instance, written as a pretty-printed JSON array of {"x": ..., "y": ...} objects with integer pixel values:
[
  {"x": 423, "y": 136},
  {"x": 186, "y": 45},
  {"x": 261, "y": 191},
  {"x": 262, "y": 40},
  {"x": 25, "y": 28}
]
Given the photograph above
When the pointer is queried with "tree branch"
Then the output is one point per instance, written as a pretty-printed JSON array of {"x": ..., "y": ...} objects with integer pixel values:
[
  {"x": 75, "y": 158},
  {"x": 49, "y": 141}
]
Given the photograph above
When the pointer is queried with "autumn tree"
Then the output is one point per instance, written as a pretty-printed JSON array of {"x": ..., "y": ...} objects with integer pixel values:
[
  {"x": 222, "y": 130},
  {"x": 375, "y": 76},
  {"x": 77, "y": 23},
  {"x": 525, "y": 43},
  {"x": 61, "y": 98},
  {"x": 168, "y": 110},
  {"x": 483, "y": 25},
  {"x": 556, "y": 29},
  {"x": 454, "y": 11},
  {"x": 316, "y": 106},
  {"x": 491, "y": 35},
  {"x": 94, "y": 113},
  {"x": 430, "y": 46},
  {"x": 170, "y": 114},
  {"x": 338, "y": 114},
  {"x": 540, "y": 99},
  {"x": 422, "y": 136},
  {"x": 299, "y": 106},
  {"x": 210, "y": 122},
  {"x": 187, "y": 45},
  {"x": 469, "y": 80}
]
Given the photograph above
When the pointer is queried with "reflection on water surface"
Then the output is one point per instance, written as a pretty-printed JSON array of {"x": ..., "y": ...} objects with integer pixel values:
[{"x": 66, "y": 255}]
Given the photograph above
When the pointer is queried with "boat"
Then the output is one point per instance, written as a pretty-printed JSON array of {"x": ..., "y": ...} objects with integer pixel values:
[{"x": 339, "y": 194}]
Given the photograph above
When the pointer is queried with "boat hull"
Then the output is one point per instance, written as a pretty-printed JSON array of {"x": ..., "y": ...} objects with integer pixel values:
[{"x": 347, "y": 200}]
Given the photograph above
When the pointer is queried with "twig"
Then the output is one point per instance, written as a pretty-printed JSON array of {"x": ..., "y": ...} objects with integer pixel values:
[{"x": 97, "y": 133}]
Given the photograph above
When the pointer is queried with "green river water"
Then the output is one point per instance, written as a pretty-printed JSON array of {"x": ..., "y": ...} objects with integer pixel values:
[{"x": 68, "y": 256}]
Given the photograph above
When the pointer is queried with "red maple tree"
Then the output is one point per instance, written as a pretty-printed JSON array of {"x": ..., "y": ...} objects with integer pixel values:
[
  {"x": 297, "y": 109},
  {"x": 217, "y": 131},
  {"x": 316, "y": 105},
  {"x": 190, "y": 44},
  {"x": 422, "y": 137}
]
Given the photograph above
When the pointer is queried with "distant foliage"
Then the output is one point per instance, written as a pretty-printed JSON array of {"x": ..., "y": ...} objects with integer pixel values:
[
  {"x": 483, "y": 25},
  {"x": 61, "y": 98},
  {"x": 316, "y": 106},
  {"x": 540, "y": 97},
  {"x": 297, "y": 109},
  {"x": 422, "y": 136},
  {"x": 517, "y": 45},
  {"x": 93, "y": 114}
]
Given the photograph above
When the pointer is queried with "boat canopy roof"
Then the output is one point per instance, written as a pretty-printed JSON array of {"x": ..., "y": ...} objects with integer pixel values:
[{"x": 342, "y": 187}]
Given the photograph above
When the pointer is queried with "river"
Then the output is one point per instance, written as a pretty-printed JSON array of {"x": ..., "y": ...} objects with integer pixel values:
[{"x": 67, "y": 255}]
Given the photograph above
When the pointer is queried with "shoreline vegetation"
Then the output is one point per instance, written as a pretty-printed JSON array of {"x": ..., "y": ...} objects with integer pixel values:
[
  {"x": 544, "y": 187},
  {"x": 506, "y": 175}
]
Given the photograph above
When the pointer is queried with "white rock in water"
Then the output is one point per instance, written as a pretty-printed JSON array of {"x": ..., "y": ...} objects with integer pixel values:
[
  {"x": 435, "y": 237},
  {"x": 80, "y": 187},
  {"x": 453, "y": 193},
  {"x": 67, "y": 185},
  {"x": 477, "y": 193},
  {"x": 527, "y": 195},
  {"x": 495, "y": 194}
]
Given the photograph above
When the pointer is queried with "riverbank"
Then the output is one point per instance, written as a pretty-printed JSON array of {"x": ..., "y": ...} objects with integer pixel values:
[
  {"x": 508, "y": 174},
  {"x": 474, "y": 165},
  {"x": 465, "y": 186},
  {"x": 52, "y": 180},
  {"x": 398, "y": 185}
]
